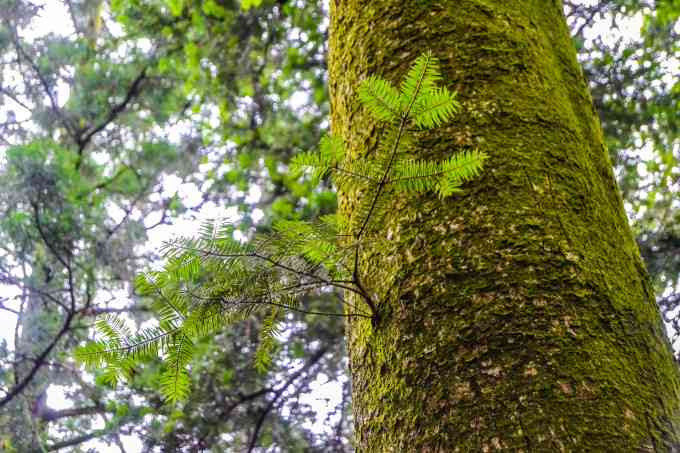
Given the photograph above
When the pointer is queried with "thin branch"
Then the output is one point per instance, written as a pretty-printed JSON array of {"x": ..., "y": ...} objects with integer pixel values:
[
  {"x": 50, "y": 415},
  {"x": 273, "y": 262},
  {"x": 244, "y": 399},
  {"x": 76, "y": 440},
  {"x": 43, "y": 236},
  {"x": 395, "y": 147},
  {"x": 11, "y": 310},
  {"x": 96, "y": 311},
  {"x": 130, "y": 347},
  {"x": 355, "y": 175},
  {"x": 44, "y": 83},
  {"x": 39, "y": 362},
  {"x": 14, "y": 98},
  {"x": 278, "y": 393},
  {"x": 307, "y": 312},
  {"x": 116, "y": 110}
]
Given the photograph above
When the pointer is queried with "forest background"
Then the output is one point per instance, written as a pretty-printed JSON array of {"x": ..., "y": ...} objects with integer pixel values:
[{"x": 122, "y": 122}]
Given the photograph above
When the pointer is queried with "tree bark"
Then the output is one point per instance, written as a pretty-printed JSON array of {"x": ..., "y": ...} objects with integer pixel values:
[{"x": 519, "y": 315}]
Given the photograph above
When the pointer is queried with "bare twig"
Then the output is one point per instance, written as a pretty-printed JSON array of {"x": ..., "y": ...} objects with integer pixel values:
[{"x": 278, "y": 393}]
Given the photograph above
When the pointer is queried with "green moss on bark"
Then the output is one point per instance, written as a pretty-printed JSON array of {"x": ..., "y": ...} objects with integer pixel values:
[{"x": 519, "y": 316}]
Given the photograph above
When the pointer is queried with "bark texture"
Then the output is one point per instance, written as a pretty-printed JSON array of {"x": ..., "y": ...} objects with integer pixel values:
[{"x": 519, "y": 316}]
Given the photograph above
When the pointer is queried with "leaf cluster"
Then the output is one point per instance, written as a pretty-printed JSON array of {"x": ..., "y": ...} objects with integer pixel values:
[{"x": 213, "y": 279}]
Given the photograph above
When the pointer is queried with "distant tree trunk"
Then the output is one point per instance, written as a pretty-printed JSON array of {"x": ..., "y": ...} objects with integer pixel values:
[
  {"x": 23, "y": 424},
  {"x": 520, "y": 316}
]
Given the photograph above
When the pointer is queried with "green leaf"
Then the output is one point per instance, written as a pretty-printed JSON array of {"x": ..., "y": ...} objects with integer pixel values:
[
  {"x": 380, "y": 98},
  {"x": 434, "y": 109},
  {"x": 176, "y": 7},
  {"x": 268, "y": 342},
  {"x": 331, "y": 153},
  {"x": 247, "y": 4},
  {"x": 420, "y": 80},
  {"x": 210, "y": 7},
  {"x": 445, "y": 177},
  {"x": 175, "y": 382}
]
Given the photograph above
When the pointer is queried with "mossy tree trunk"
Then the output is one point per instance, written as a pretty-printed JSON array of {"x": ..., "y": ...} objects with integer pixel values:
[{"x": 519, "y": 316}]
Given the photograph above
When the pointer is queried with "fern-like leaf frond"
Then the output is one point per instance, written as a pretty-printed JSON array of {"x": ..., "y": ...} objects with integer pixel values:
[
  {"x": 444, "y": 178},
  {"x": 331, "y": 153},
  {"x": 175, "y": 382},
  {"x": 268, "y": 341},
  {"x": 212, "y": 280},
  {"x": 420, "y": 81},
  {"x": 436, "y": 108},
  {"x": 381, "y": 98}
]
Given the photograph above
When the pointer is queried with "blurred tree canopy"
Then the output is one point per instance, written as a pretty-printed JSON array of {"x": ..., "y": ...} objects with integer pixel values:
[{"x": 137, "y": 116}]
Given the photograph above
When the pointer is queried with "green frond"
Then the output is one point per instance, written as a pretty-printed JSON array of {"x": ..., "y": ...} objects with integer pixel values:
[
  {"x": 416, "y": 176},
  {"x": 171, "y": 308},
  {"x": 459, "y": 168},
  {"x": 268, "y": 342},
  {"x": 331, "y": 153},
  {"x": 313, "y": 241},
  {"x": 147, "y": 342},
  {"x": 112, "y": 375},
  {"x": 175, "y": 382},
  {"x": 144, "y": 284},
  {"x": 120, "y": 353},
  {"x": 151, "y": 282},
  {"x": 333, "y": 222},
  {"x": 290, "y": 301},
  {"x": 320, "y": 252},
  {"x": 353, "y": 175},
  {"x": 210, "y": 318},
  {"x": 332, "y": 148},
  {"x": 216, "y": 229},
  {"x": 422, "y": 78},
  {"x": 444, "y": 178},
  {"x": 434, "y": 108},
  {"x": 369, "y": 214},
  {"x": 94, "y": 354},
  {"x": 113, "y": 328},
  {"x": 391, "y": 148},
  {"x": 213, "y": 280},
  {"x": 116, "y": 371},
  {"x": 380, "y": 98},
  {"x": 228, "y": 248},
  {"x": 186, "y": 267},
  {"x": 293, "y": 230}
]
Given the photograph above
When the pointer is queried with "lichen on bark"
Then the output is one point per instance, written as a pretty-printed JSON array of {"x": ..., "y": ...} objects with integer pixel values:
[{"x": 519, "y": 315}]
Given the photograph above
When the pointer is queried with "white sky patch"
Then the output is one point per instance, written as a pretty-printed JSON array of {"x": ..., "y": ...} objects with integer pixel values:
[
  {"x": 57, "y": 398},
  {"x": 298, "y": 100},
  {"x": 257, "y": 215},
  {"x": 63, "y": 88},
  {"x": 51, "y": 18},
  {"x": 671, "y": 69},
  {"x": 628, "y": 28},
  {"x": 325, "y": 395},
  {"x": 254, "y": 194},
  {"x": 116, "y": 213},
  {"x": 132, "y": 444},
  {"x": 8, "y": 320},
  {"x": 145, "y": 45}
]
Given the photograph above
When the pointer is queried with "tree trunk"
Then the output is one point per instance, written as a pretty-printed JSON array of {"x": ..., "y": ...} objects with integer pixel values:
[
  {"x": 37, "y": 321},
  {"x": 520, "y": 316}
]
